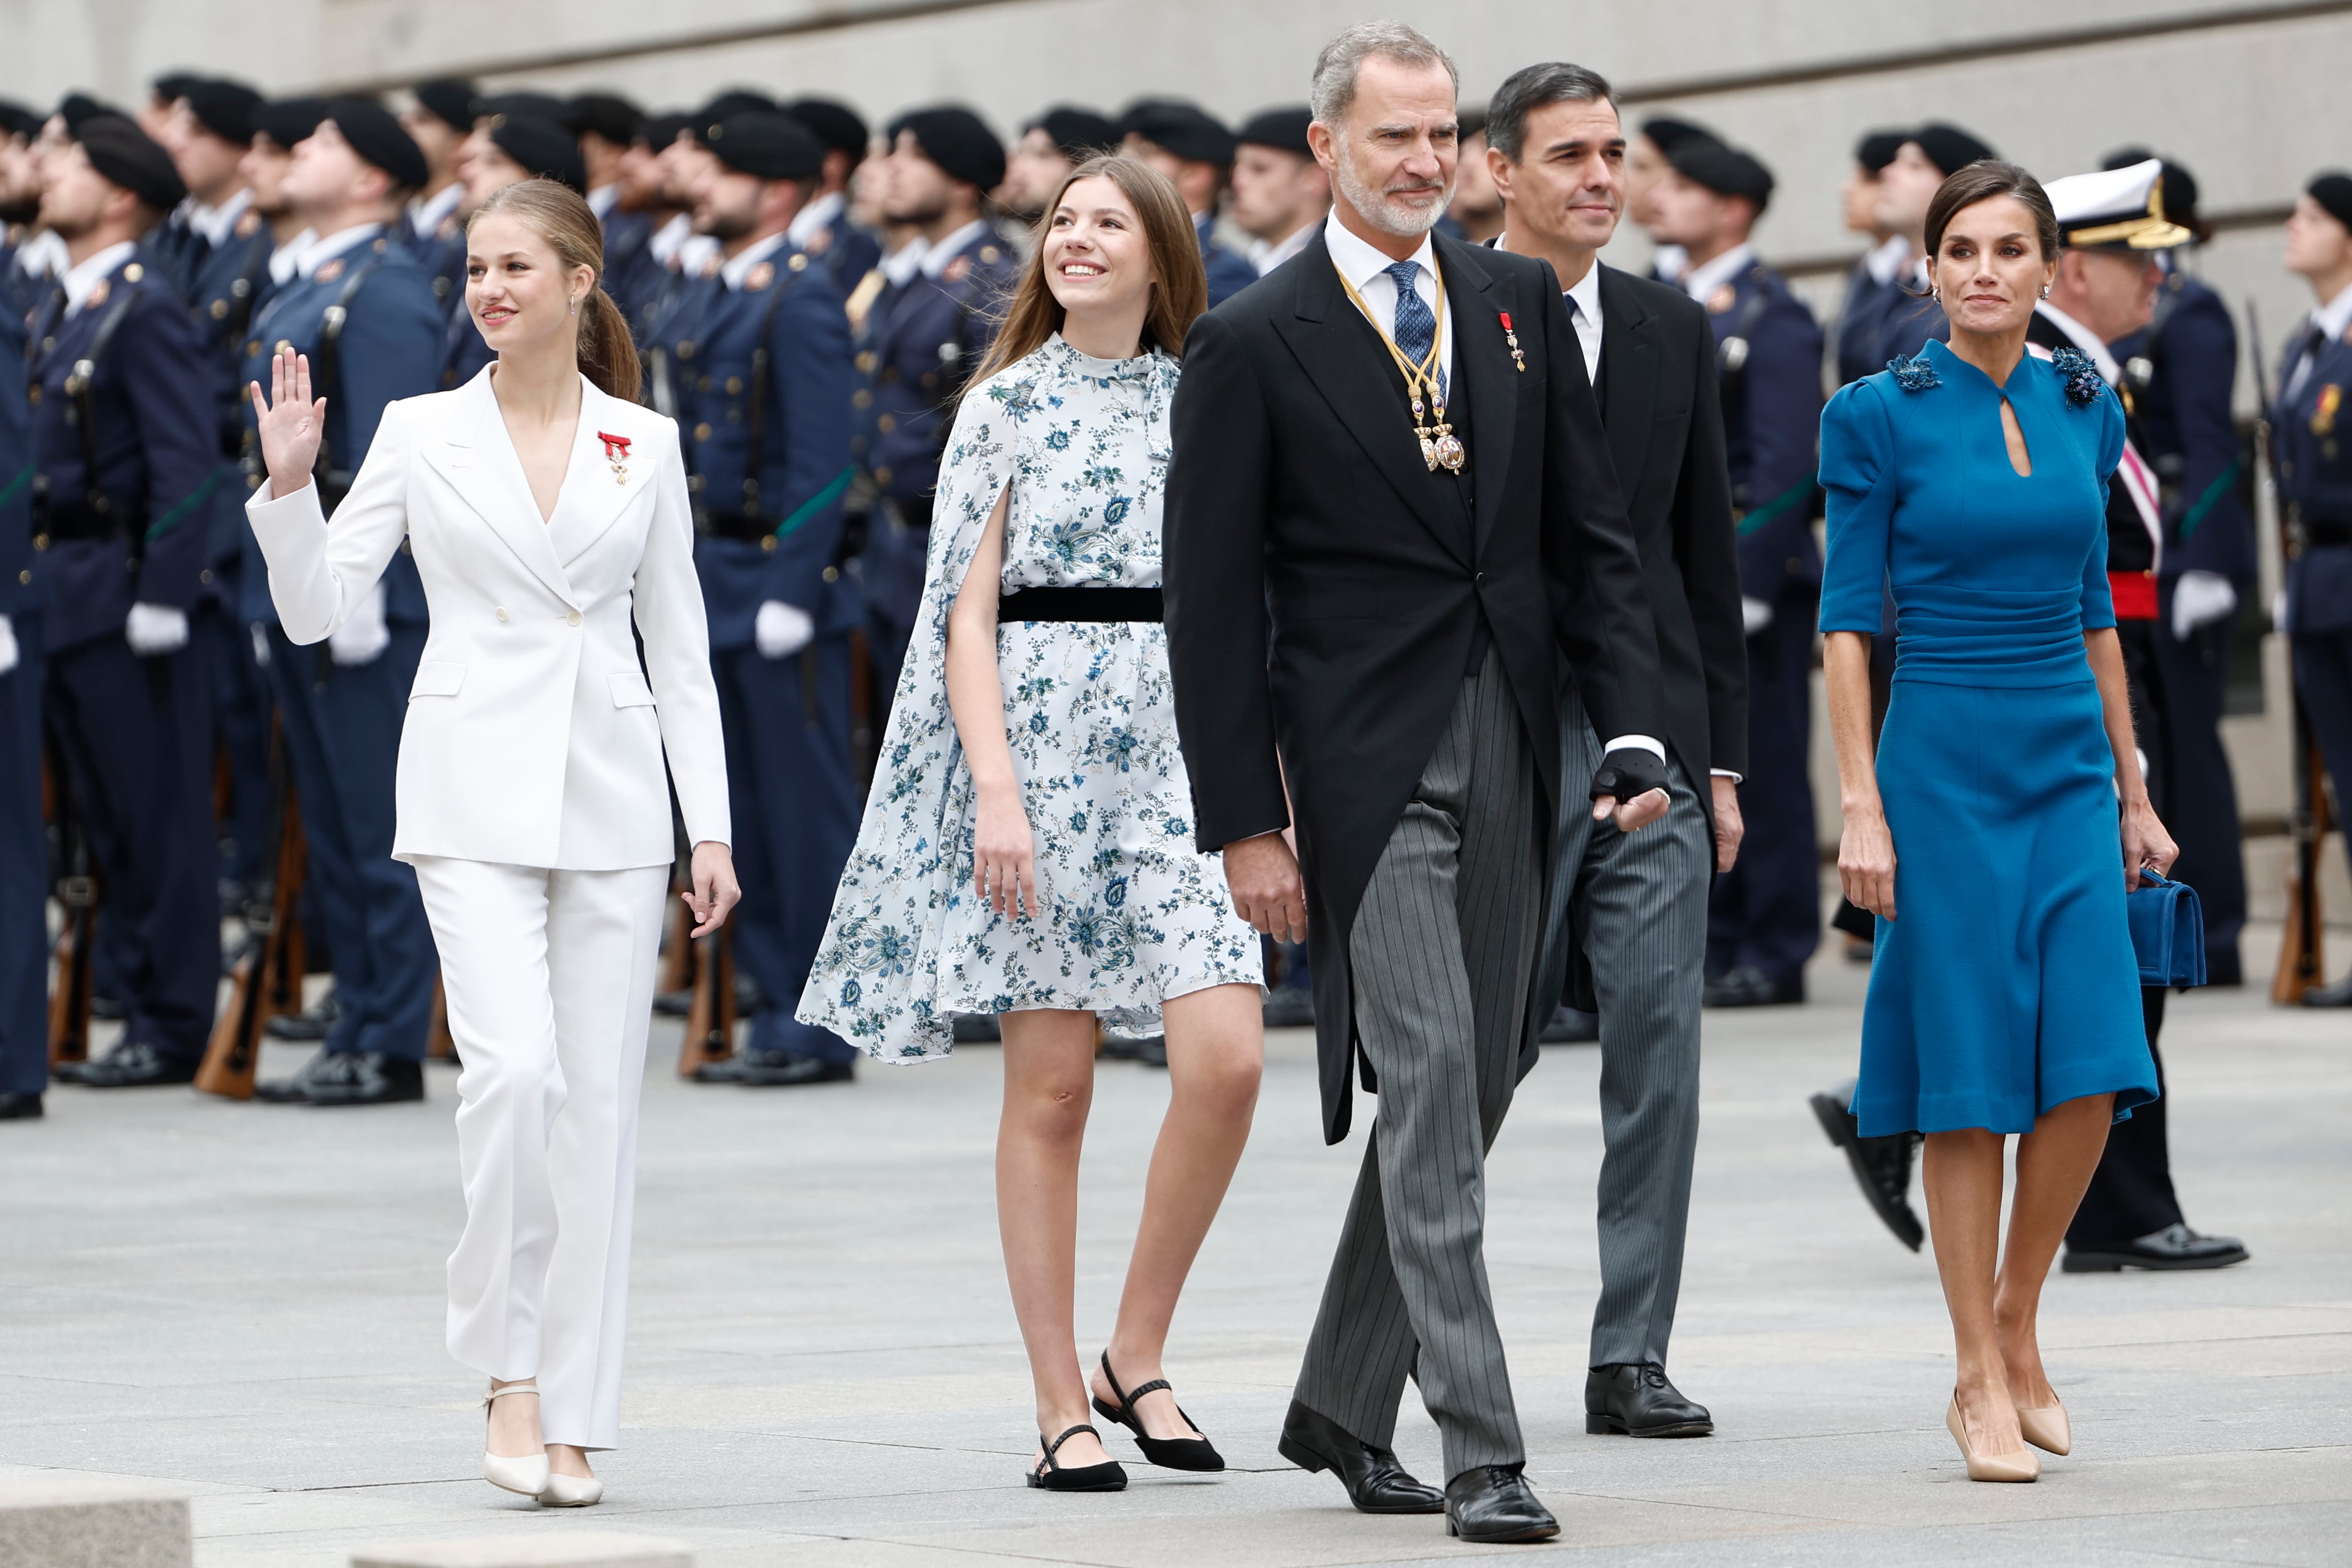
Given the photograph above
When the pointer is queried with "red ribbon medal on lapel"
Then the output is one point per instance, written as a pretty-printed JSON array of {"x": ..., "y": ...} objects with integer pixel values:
[
  {"x": 616, "y": 452},
  {"x": 1512, "y": 338}
]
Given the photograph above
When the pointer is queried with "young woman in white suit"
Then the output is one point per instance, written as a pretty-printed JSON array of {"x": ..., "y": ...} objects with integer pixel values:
[{"x": 547, "y": 510}]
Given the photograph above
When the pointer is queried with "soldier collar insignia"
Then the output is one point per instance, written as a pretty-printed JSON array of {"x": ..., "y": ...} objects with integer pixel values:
[
  {"x": 329, "y": 271},
  {"x": 956, "y": 271}
]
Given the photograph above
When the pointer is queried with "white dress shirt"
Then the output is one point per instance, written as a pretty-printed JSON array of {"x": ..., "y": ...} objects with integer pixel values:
[
  {"x": 1368, "y": 269},
  {"x": 81, "y": 280},
  {"x": 738, "y": 267},
  {"x": 1883, "y": 261},
  {"x": 898, "y": 267},
  {"x": 1708, "y": 276},
  {"x": 604, "y": 199},
  {"x": 217, "y": 224},
  {"x": 429, "y": 213},
  {"x": 318, "y": 252},
  {"x": 282, "y": 259},
  {"x": 2331, "y": 321},
  {"x": 814, "y": 218},
  {"x": 1266, "y": 257},
  {"x": 43, "y": 256}
]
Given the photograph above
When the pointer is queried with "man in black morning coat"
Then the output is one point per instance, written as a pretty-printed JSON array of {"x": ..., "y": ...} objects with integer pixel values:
[{"x": 1418, "y": 621}]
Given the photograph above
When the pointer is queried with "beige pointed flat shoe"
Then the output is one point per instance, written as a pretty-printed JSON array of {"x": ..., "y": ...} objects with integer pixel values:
[
  {"x": 2021, "y": 1465},
  {"x": 2045, "y": 1427}
]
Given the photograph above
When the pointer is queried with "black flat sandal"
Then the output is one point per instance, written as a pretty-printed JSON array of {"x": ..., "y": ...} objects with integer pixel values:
[
  {"x": 1053, "y": 1476},
  {"x": 1168, "y": 1453}
]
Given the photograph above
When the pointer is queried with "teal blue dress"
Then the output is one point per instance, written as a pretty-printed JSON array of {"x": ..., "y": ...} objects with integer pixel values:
[{"x": 2006, "y": 984}]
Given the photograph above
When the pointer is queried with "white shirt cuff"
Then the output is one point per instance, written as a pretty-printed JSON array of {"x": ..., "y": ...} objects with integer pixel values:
[
  {"x": 1725, "y": 773},
  {"x": 1638, "y": 743}
]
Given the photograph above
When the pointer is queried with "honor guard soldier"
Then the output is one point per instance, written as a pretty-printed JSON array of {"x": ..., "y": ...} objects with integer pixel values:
[
  {"x": 2181, "y": 370},
  {"x": 1874, "y": 290},
  {"x": 1195, "y": 151},
  {"x": 23, "y": 844},
  {"x": 439, "y": 122},
  {"x": 922, "y": 340},
  {"x": 822, "y": 230},
  {"x": 126, "y": 455},
  {"x": 2311, "y": 431},
  {"x": 206, "y": 133},
  {"x": 761, "y": 388},
  {"x": 1280, "y": 193},
  {"x": 1764, "y": 920},
  {"x": 606, "y": 124},
  {"x": 509, "y": 144},
  {"x": 1928, "y": 156},
  {"x": 1646, "y": 168},
  {"x": 1051, "y": 145},
  {"x": 640, "y": 278},
  {"x": 20, "y": 203},
  {"x": 363, "y": 311},
  {"x": 2113, "y": 224}
]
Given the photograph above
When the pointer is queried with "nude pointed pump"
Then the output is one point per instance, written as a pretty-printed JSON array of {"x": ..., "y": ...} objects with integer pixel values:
[
  {"x": 2045, "y": 1427},
  {"x": 524, "y": 1473},
  {"x": 2021, "y": 1465}
]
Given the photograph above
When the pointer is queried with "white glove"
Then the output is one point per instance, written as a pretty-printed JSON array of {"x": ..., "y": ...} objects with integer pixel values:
[
  {"x": 2278, "y": 612},
  {"x": 780, "y": 630},
  {"x": 362, "y": 638},
  {"x": 152, "y": 629},
  {"x": 8, "y": 654},
  {"x": 261, "y": 645},
  {"x": 1755, "y": 615},
  {"x": 2200, "y": 599}
]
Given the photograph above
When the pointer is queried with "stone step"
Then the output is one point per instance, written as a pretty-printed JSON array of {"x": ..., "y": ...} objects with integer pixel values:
[
  {"x": 94, "y": 1522},
  {"x": 587, "y": 1549}
]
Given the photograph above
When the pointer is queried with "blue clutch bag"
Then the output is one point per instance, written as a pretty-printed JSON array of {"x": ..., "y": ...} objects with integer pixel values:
[{"x": 2168, "y": 931}]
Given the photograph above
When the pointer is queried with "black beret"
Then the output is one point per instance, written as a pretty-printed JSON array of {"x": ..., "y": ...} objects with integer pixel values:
[
  {"x": 1186, "y": 129},
  {"x": 1725, "y": 171},
  {"x": 838, "y": 126},
  {"x": 2180, "y": 187},
  {"x": 543, "y": 105},
  {"x": 286, "y": 120},
  {"x": 224, "y": 108},
  {"x": 1283, "y": 128},
  {"x": 448, "y": 99},
  {"x": 174, "y": 86},
  {"x": 734, "y": 101},
  {"x": 79, "y": 106},
  {"x": 609, "y": 115},
  {"x": 660, "y": 129},
  {"x": 2333, "y": 192},
  {"x": 15, "y": 120},
  {"x": 375, "y": 134},
  {"x": 1468, "y": 120},
  {"x": 127, "y": 156},
  {"x": 1950, "y": 148},
  {"x": 1666, "y": 134},
  {"x": 1080, "y": 134},
  {"x": 960, "y": 142},
  {"x": 1877, "y": 149},
  {"x": 545, "y": 149},
  {"x": 766, "y": 146}
]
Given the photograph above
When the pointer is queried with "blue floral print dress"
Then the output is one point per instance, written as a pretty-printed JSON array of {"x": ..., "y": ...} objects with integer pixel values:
[{"x": 1132, "y": 913}]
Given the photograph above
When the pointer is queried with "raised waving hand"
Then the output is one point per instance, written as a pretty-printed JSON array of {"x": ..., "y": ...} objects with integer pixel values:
[{"x": 292, "y": 423}]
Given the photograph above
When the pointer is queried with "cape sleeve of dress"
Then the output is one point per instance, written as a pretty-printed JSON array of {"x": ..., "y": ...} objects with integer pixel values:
[{"x": 876, "y": 975}]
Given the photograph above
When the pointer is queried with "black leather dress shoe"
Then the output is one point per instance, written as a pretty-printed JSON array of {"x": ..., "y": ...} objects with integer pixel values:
[
  {"x": 312, "y": 1022},
  {"x": 1571, "y": 1027},
  {"x": 1882, "y": 1166},
  {"x": 1376, "y": 1483},
  {"x": 325, "y": 1068},
  {"x": 1493, "y": 1503},
  {"x": 672, "y": 1004},
  {"x": 17, "y": 1106},
  {"x": 368, "y": 1078},
  {"x": 780, "y": 1069},
  {"x": 1636, "y": 1400},
  {"x": 2337, "y": 996},
  {"x": 1748, "y": 986},
  {"x": 134, "y": 1064},
  {"x": 2173, "y": 1246}
]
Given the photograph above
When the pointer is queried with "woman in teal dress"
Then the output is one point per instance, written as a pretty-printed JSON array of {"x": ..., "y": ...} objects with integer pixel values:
[{"x": 2004, "y": 996}]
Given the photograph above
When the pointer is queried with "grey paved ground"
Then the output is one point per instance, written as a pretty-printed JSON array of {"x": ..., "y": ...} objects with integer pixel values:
[{"x": 824, "y": 1368}]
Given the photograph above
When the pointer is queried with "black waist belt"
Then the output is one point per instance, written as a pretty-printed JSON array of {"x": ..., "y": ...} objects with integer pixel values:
[
  {"x": 2327, "y": 532},
  {"x": 743, "y": 525},
  {"x": 1079, "y": 604},
  {"x": 81, "y": 520}
]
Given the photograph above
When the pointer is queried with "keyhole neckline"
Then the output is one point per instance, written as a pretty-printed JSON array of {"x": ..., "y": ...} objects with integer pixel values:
[{"x": 2012, "y": 440}]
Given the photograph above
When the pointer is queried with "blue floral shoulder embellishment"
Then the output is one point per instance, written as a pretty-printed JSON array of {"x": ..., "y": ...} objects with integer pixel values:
[
  {"x": 1915, "y": 375},
  {"x": 2083, "y": 381}
]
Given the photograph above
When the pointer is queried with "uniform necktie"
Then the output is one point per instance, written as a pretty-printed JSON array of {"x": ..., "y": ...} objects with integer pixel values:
[
  {"x": 2310, "y": 355},
  {"x": 1416, "y": 326}
]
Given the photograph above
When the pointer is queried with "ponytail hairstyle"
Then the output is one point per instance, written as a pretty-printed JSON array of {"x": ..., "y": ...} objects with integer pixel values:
[{"x": 558, "y": 214}]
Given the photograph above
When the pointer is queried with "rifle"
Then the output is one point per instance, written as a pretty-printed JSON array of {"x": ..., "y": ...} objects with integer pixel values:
[
  {"x": 710, "y": 1023},
  {"x": 267, "y": 977},
  {"x": 76, "y": 884},
  {"x": 2302, "y": 962}
]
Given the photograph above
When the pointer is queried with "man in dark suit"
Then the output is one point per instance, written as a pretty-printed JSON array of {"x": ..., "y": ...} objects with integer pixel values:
[
  {"x": 1390, "y": 447},
  {"x": 1635, "y": 906}
]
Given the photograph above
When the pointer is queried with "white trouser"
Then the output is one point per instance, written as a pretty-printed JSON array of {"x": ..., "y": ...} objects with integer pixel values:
[{"x": 549, "y": 977}]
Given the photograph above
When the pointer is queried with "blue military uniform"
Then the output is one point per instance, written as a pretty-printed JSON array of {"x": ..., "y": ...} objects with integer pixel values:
[
  {"x": 847, "y": 251},
  {"x": 342, "y": 722},
  {"x": 758, "y": 364},
  {"x": 1230, "y": 271},
  {"x": 127, "y": 459},
  {"x": 921, "y": 341},
  {"x": 1863, "y": 320},
  {"x": 2180, "y": 372},
  {"x": 24, "y": 848},
  {"x": 2311, "y": 430},
  {"x": 1765, "y": 913}
]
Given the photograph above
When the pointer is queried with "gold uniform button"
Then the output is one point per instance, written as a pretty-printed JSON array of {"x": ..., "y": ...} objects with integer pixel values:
[
  {"x": 702, "y": 431},
  {"x": 734, "y": 383},
  {"x": 33, "y": 394},
  {"x": 252, "y": 348},
  {"x": 572, "y": 619},
  {"x": 40, "y": 542},
  {"x": 882, "y": 474},
  {"x": 861, "y": 398},
  {"x": 832, "y": 574},
  {"x": 798, "y": 262},
  {"x": 768, "y": 543},
  {"x": 887, "y": 422},
  {"x": 24, "y": 576},
  {"x": 866, "y": 361},
  {"x": 220, "y": 309},
  {"x": 132, "y": 273},
  {"x": 282, "y": 345},
  {"x": 686, "y": 350}
]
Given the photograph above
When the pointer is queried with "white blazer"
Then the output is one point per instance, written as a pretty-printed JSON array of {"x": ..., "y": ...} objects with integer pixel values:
[{"x": 533, "y": 736}]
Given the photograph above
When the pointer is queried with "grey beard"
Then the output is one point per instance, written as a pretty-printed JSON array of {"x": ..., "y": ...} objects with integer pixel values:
[{"x": 1375, "y": 208}]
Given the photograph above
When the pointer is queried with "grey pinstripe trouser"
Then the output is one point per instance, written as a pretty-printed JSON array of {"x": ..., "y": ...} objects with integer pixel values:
[
  {"x": 1443, "y": 949},
  {"x": 1640, "y": 908}
]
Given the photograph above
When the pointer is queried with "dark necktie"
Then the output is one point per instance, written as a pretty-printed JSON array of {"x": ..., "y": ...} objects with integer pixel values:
[
  {"x": 2301, "y": 371},
  {"x": 1416, "y": 326}
]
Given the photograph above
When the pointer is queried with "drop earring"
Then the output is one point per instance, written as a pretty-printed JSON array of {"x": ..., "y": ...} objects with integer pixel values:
[
  {"x": 2045, "y": 290},
  {"x": 575, "y": 307}
]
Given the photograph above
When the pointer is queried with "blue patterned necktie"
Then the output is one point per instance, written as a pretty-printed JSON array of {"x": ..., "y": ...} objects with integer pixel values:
[{"x": 1416, "y": 327}]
